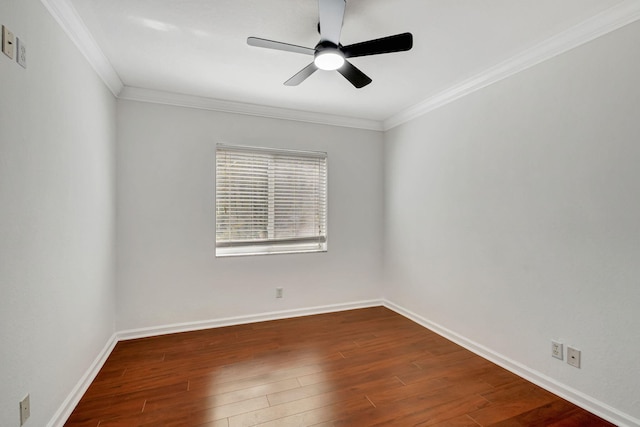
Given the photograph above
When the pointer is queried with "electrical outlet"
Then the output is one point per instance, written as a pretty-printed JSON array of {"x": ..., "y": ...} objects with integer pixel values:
[
  {"x": 573, "y": 357},
  {"x": 21, "y": 52},
  {"x": 556, "y": 350},
  {"x": 25, "y": 410},
  {"x": 279, "y": 292},
  {"x": 8, "y": 42}
]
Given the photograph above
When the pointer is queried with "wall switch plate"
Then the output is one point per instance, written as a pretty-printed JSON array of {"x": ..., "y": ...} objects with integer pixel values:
[
  {"x": 25, "y": 410},
  {"x": 279, "y": 292},
  {"x": 21, "y": 52},
  {"x": 556, "y": 350},
  {"x": 573, "y": 357},
  {"x": 8, "y": 42}
]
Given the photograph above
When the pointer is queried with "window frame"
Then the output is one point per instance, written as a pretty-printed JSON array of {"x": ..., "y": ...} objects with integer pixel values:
[{"x": 274, "y": 246}]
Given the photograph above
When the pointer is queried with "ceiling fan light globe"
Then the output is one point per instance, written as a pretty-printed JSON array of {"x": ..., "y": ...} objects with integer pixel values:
[{"x": 331, "y": 60}]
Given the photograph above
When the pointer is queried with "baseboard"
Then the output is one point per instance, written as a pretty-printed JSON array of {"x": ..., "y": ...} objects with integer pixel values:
[
  {"x": 578, "y": 398},
  {"x": 67, "y": 407},
  {"x": 69, "y": 404},
  {"x": 241, "y": 320},
  {"x": 572, "y": 395}
]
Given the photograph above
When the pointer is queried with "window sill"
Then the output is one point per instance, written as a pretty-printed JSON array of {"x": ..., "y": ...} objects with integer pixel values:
[{"x": 294, "y": 248}]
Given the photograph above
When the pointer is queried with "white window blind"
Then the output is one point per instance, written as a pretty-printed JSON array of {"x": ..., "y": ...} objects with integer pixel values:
[{"x": 270, "y": 201}]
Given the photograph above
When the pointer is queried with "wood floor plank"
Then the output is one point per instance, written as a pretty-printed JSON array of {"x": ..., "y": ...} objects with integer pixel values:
[
  {"x": 319, "y": 416},
  {"x": 510, "y": 401},
  {"x": 546, "y": 414},
  {"x": 281, "y": 411},
  {"x": 367, "y": 367}
]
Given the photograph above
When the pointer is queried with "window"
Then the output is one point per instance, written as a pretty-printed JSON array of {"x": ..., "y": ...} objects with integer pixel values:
[{"x": 270, "y": 201}]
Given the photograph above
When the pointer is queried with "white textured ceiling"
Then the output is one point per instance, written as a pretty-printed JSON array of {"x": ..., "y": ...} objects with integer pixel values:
[{"x": 198, "y": 47}]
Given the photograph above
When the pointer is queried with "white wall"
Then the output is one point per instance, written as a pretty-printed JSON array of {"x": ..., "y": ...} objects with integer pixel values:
[
  {"x": 510, "y": 218},
  {"x": 513, "y": 217},
  {"x": 167, "y": 272},
  {"x": 57, "y": 293}
]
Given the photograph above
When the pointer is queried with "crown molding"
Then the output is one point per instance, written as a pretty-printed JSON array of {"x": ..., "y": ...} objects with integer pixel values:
[
  {"x": 67, "y": 17},
  {"x": 616, "y": 17},
  {"x": 624, "y": 13},
  {"x": 212, "y": 104}
]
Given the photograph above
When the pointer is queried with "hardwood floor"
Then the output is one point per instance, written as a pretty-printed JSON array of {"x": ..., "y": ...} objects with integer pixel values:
[{"x": 355, "y": 368}]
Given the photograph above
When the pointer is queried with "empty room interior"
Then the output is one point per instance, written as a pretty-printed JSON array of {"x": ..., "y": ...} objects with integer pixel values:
[{"x": 480, "y": 192}]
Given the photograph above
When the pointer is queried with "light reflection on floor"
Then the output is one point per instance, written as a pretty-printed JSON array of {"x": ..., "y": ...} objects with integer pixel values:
[{"x": 272, "y": 387}]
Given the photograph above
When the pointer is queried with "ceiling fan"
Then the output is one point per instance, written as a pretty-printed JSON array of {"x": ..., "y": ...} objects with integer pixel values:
[{"x": 329, "y": 54}]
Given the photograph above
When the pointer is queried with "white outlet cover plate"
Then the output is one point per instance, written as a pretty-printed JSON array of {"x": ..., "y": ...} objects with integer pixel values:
[
  {"x": 21, "y": 52},
  {"x": 573, "y": 357},
  {"x": 25, "y": 409},
  {"x": 8, "y": 42},
  {"x": 557, "y": 350}
]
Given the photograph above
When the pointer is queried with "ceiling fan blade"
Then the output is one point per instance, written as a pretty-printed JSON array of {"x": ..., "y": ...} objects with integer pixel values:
[
  {"x": 331, "y": 16},
  {"x": 354, "y": 75},
  {"x": 397, "y": 43},
  {"x": 301, "y": 75},
  {"x": 271, "y": 44}
]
